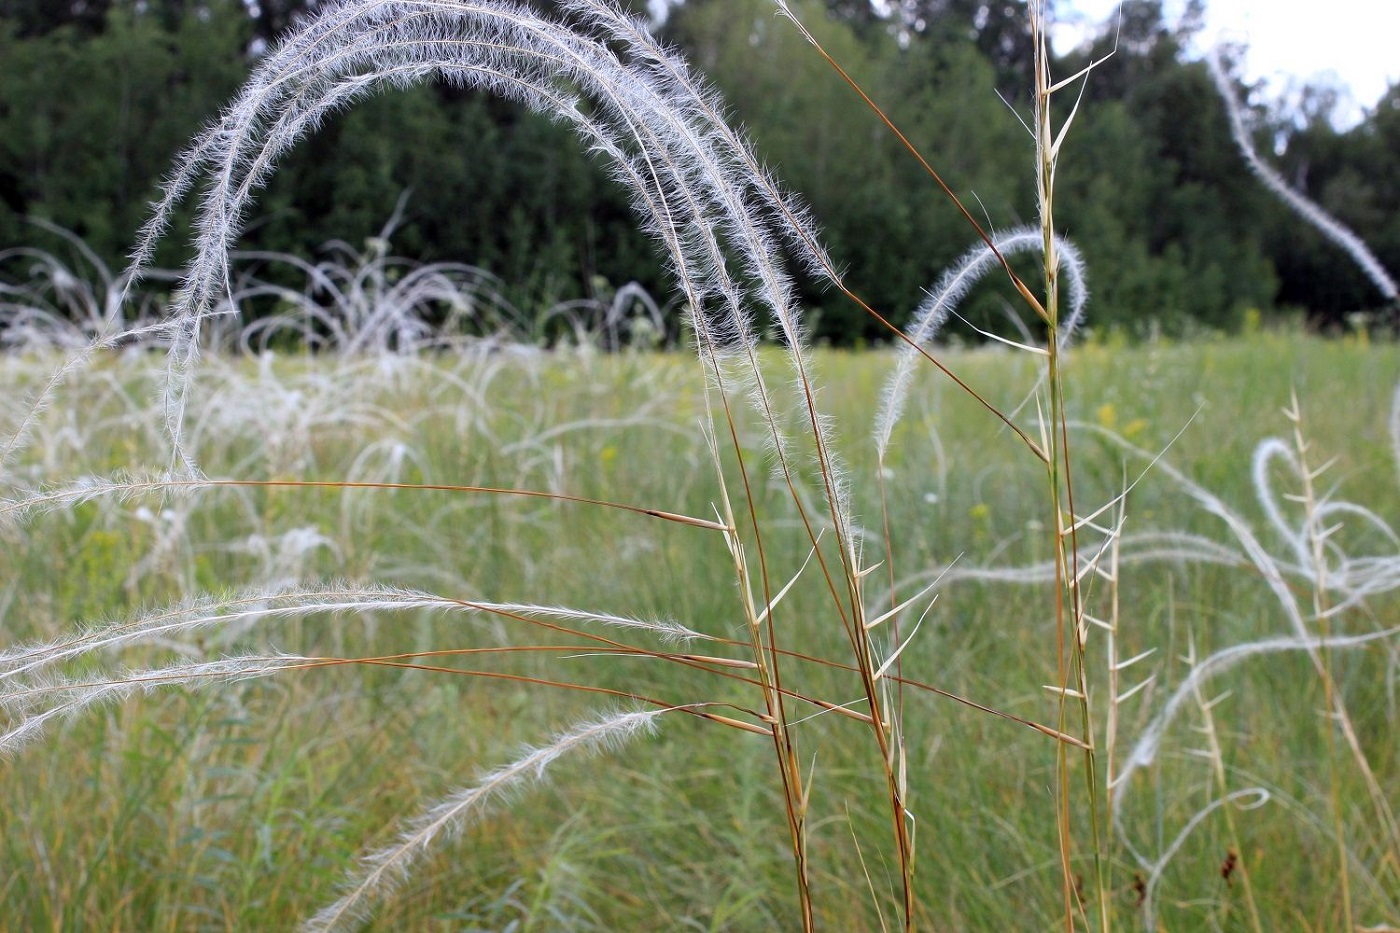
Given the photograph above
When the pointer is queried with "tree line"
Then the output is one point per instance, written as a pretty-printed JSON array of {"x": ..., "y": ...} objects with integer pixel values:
[{"x": 96, "y": 97}]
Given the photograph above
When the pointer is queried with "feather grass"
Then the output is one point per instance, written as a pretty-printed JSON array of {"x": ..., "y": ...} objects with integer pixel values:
[
  {"x": 385, "y": 868},
  {"x": 1308, "y": 210},
  {"x": 732, "y": 237}
]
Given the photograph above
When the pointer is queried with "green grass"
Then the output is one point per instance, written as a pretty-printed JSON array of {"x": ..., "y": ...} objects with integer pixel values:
[
  {"x": 242, "y": 806},
  {"x": 1160, "y": 633}
]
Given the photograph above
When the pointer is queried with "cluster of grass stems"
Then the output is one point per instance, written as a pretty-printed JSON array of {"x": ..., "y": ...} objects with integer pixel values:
[{"x": 770, "y": 585}]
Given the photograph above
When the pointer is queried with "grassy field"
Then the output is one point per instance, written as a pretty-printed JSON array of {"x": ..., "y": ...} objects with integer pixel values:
[
  {"x": 243, "y": 804},
  {"x": 434, "y": 629}
]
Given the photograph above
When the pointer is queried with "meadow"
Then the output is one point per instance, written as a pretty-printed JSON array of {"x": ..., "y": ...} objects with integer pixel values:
[
  {"x": 243, "y": 804},
  {"x": 423, "y": 625}
]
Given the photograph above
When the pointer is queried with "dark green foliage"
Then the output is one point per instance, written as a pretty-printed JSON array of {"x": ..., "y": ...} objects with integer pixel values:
[
  {"x": 90, "y": 123},
  {"x": 96, "y": 98},
  {"x": 38, "y": 17},
  {"x": 885, "y": 220},
  {"x": 487, "y": 183}
]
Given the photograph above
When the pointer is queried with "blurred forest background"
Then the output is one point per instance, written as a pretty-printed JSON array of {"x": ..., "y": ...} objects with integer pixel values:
[{"x": 97, "y": 96}]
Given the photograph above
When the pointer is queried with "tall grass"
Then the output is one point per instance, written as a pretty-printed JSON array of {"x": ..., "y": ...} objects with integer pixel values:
[
  {"x": 463, "y": 554},
  {"x": 689, "y": 815}
]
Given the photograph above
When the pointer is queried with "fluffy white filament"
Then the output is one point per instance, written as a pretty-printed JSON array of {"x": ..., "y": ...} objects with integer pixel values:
[
  {"x": 29, "y": 659},
  {"x": 382, "y": 870},
  {"x": 952, "y": 287},
  {"x": 1328, "y": 225}
]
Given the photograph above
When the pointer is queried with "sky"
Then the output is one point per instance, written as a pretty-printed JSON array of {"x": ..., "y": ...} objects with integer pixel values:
[{"x": 1357, "y": 41}]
